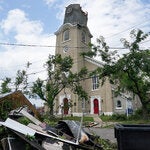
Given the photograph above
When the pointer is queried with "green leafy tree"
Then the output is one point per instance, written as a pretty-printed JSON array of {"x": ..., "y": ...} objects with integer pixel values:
[
  {"x": 60, "y": 77},
  {"x": 130, "y": 71},
  {"x": 20, "y": 79},
  {"x": 19, "y": 83},
  {"x": 5, "y": 86}
]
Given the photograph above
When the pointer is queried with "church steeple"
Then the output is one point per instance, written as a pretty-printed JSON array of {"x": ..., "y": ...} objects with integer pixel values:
[
  {"x": 75, "y": 15},
  {"x": 73, "y": 37}
]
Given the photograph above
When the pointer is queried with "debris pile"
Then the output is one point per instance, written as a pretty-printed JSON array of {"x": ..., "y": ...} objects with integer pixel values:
[{"x": 38, "y": 135}]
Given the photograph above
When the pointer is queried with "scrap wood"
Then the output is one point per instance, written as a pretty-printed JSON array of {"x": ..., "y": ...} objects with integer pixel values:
[
  {"x": 66, "y": 131},
  {"x": 36, "y": 127},
  {"x": 40, "y": 129},
  {"x": 14, "y": 125},
  {"x": 13, "y": 143},
  {"x": 23, "y": 112},
  {"x": 30, "y": 117},
  {"x": 50, "y": 144},
  {"x": 71, "y": 128},
  {"x": 20, "y": 128},
  {"x": 92, "y": 124},
  {"x": 57, "y": 138},
  {"x": 32, "y": 143}
]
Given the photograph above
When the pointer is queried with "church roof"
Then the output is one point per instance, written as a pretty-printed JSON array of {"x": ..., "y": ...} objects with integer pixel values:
[{"x": 93, "y": 61}]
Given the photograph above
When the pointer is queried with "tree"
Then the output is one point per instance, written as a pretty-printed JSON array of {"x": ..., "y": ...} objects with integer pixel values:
[
  {"x": 5, "y": 85},
  {"x": 19, "y": 83},
  {"x": 20, "y": 79},
  {"x": 131, "y": 71},
  {"x": 60, "y": 77}
]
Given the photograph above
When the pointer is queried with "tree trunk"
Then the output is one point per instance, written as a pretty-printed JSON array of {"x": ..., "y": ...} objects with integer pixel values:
[
  {"x": 50, "y": 109},
  {"x": 144, "y": 106},
  {"x": 145, "y": 112}
]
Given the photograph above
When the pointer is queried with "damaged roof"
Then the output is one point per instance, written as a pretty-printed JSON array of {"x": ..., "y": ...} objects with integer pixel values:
[{"x": 18, "y": 99}]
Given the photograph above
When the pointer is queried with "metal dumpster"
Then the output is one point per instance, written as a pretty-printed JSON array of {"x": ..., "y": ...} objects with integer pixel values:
[{"x": 132, "y": 137}]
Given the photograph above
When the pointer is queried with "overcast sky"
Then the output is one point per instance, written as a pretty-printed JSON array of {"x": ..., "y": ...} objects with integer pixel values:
[{"x": 33, "y": 22}]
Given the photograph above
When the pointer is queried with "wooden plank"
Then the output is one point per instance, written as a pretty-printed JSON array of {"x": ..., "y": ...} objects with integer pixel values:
[
  {"x": 14, "y": 125},
  {"x": 30, "y": 117}
]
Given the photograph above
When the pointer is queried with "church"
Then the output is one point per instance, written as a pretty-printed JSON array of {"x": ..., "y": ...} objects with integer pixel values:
[{"x": 72, "y": 38}]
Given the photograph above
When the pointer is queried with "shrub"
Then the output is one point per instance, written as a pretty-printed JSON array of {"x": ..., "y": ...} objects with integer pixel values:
[
  {"x": 119, "y": 117},
  {"x": 114, "y": 117},
  {"x": 5, "y": 108},
  {"x": 106, "y": 117}
]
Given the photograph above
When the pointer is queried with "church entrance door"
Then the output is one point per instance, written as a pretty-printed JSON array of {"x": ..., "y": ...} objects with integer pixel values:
[
  {"x": 96, "y": 106},
  {"x": 66, "y": 106}
]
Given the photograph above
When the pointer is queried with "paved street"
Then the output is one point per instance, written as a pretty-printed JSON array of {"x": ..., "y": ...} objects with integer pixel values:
[{"x": 104, "y": 133}]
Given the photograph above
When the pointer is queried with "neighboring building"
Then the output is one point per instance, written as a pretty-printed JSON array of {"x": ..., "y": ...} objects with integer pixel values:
[
  {"x": 72, "y": 38},
  {"x": 18, "y": 99}
]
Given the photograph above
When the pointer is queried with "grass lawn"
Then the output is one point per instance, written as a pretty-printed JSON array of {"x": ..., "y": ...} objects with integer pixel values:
[
  {"x": 54, "y": 121},
  {"x": 110, "y": 121}
]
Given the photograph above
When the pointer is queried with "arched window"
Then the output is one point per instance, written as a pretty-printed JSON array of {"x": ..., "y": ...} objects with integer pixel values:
[
  {"x": 66, "y": 35},
  {"x": 83, "y": 37},
  {"x": 119, "y": 105}
]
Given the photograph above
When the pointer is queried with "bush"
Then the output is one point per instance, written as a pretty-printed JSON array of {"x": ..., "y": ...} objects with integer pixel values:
[
  {"x": 106, "y": 117},
  {"x": 114, "y": 117},
  {"x": 5, "y": 108},
  {"x": 119, "y": 117},
  {"x": 138, "y": 114}
]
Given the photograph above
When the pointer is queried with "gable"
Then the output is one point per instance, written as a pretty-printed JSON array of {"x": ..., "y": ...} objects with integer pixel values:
[{"x": 91, "y": 63}]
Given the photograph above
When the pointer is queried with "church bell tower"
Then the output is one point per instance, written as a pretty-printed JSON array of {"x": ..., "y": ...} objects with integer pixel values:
[{"x": 73, "y": 37}]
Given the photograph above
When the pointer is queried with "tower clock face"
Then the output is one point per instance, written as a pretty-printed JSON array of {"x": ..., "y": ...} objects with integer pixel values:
[
  {"x": 65, "y": 49},
  {"x": 69, "y": 10}
]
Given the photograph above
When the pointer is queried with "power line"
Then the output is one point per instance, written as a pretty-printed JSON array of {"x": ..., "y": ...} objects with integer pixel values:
[
  {"x": 31, "y": 45},
  {"x": 28, "y": 74},
  {"x": 84, "y": 78},
  {"x": 24, "y": 64},
  {"x": 127, "y": 29},
  {"x": 24, "y": 45},
  {"x": 33, "y": 73},
  {"x": 34, "y": 45}
]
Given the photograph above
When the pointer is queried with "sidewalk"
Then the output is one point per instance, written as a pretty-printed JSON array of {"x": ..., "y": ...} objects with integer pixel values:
[
  {"x": 105, "y": 133},
  {"x": 97, "y": 120}
]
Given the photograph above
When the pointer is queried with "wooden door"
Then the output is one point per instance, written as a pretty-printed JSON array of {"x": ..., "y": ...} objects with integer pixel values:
[
  {"x": 96, "y": 106},
  {"x": 66, "y": 106}
]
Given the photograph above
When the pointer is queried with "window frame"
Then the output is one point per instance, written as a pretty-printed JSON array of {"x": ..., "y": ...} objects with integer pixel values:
[
  {"x": 66, "y": 35},
  {"x": 95, "y": 82},
  {"x": 83, "y": 36},
  {"x": 118, "y": 104}
]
